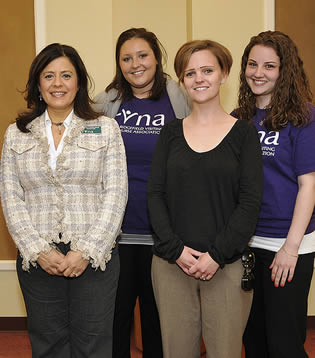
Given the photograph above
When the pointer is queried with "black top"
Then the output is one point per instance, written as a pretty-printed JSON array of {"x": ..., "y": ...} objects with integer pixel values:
[{"x": 208, "y": 201}]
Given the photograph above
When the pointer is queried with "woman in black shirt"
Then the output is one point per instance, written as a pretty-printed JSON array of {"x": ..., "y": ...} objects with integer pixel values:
[{"x": 204, "y": 196}]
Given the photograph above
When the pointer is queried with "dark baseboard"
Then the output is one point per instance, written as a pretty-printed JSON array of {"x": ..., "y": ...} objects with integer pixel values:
[
  {"x": 20, "y": 324},
  {"x": 13, "y": 324},
  {"x": 311, "y": 322}
]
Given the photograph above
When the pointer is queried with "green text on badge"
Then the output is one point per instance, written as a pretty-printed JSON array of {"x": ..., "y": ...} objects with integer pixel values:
[{"x": 92, "y": 130}]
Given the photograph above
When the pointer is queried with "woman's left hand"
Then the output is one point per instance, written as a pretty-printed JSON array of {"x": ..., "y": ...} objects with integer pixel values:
[
  {"x": 283, "y": 266},
  {"x": 73, "y": 265},
  {"x": 205, "y": 268}
]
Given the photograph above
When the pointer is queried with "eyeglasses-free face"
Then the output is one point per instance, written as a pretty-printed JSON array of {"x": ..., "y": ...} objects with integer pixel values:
[
  {"x": 138, "y": 65},
  {"x": 203, "y": 77},
  {"x": 58, "y": 85},
  {"x": 262, "y": 72}
]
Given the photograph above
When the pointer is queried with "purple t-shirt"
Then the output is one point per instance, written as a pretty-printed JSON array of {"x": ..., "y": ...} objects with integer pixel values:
[
  {"x": 141, "y": 121},
  {"x": 287, "y": 154}
]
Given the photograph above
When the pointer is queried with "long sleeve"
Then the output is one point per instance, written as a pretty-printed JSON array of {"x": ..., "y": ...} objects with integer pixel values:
[
  {"x": 103, "y": 103},
  {"x": 166, "y": 243},
  {"x": 232, "y": 239},
  {"x": 23, "y": 233},
  {"x": 85, "y": 200},
  {"x": 208, "y": 201},
  {"x": 98, "y": 242}
]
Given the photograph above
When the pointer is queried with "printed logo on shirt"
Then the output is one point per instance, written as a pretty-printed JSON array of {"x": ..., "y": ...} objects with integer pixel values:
[
  {"x": 268, "y": 142},
  {"x": 141, "y": 123}
]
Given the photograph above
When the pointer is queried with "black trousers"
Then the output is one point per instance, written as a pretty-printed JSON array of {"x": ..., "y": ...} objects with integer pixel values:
[
  {"x": 70, "y": 317},
  {"x": 277, "y": 323},
  {"x": 135, "y": 280}
]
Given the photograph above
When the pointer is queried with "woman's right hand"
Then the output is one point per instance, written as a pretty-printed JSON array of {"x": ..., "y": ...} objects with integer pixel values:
[
  {"x": 51, "y": 261},
  {"x": 187, "y": 259}
]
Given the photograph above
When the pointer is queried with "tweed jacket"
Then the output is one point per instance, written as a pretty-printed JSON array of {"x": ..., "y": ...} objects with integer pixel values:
[{"x": 85, "y": 199}]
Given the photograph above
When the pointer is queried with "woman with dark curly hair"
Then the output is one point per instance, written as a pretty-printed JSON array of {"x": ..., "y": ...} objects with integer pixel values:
[{"x": 275, "y": 94}]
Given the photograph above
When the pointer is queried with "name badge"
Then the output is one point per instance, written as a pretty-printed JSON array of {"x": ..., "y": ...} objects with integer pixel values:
[{"x": 92, "y": 130}]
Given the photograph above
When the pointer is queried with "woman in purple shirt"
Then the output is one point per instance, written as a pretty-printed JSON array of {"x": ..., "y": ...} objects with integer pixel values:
[
  {"x": 142, "y": 99},
  {"x": 275, "y": 93}
]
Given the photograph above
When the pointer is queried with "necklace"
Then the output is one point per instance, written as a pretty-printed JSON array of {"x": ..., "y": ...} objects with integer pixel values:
[{"x": 58, "y": 125}]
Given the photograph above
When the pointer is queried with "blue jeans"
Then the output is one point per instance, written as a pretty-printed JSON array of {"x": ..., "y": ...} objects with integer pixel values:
[{"x": 70, "y": 317}]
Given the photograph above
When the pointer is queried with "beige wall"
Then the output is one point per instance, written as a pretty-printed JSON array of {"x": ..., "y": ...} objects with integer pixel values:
[
  {"x": 93, "y": 29},
  {"x": 88, "y": 27},
  {"x": 12, "y": 304},
  {"x": 231, "y": 23},
  {"x": 166, "y": 18}
]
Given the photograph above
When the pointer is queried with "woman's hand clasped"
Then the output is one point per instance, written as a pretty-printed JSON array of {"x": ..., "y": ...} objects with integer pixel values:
[
  {"x": 55, "y": 263},
  {"x": 205, "y": 267},
  {"x": 199, "y": 265},
  {"x": 73, "y": 265},
  {"x": 283, "y": 266},
  {"x": 51, "y": 261},
  {"x": 187, "y": 259}
]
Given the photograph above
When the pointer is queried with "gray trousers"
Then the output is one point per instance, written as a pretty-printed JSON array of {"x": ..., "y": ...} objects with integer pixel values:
[
  {"x": 70, "y": 317},
  {"x": 189, "y": 308}
]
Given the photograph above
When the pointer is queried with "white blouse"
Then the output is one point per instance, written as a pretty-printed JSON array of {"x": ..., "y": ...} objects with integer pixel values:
[{"x": 53, "y": 152}]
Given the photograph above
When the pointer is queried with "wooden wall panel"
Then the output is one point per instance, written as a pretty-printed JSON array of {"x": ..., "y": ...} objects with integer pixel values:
[
  {"x": 296, "y": 18},
  {"x": 17, "y": 48}
]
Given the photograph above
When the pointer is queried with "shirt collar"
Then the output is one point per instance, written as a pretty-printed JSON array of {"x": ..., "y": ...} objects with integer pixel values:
[{"x": 66, "y": 122}]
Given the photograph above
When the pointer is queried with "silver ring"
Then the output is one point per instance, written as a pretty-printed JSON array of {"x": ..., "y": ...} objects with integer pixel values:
[{"x": 202, "y": 278}]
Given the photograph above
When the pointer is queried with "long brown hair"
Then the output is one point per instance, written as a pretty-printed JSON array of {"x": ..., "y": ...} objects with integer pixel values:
[
  {"x": 82, "y": 102},
  {"x": 121, "y": 84},
  {"x": 292, "y": 92}
]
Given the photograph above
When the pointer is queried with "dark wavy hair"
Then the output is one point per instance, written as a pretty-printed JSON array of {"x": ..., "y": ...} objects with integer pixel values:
[
  {"x": 183, "y": 55},
  {"x": 292, "y": 92},
  {"x": 121, "y": 84},
  {"x": 82, "y": 101}
]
